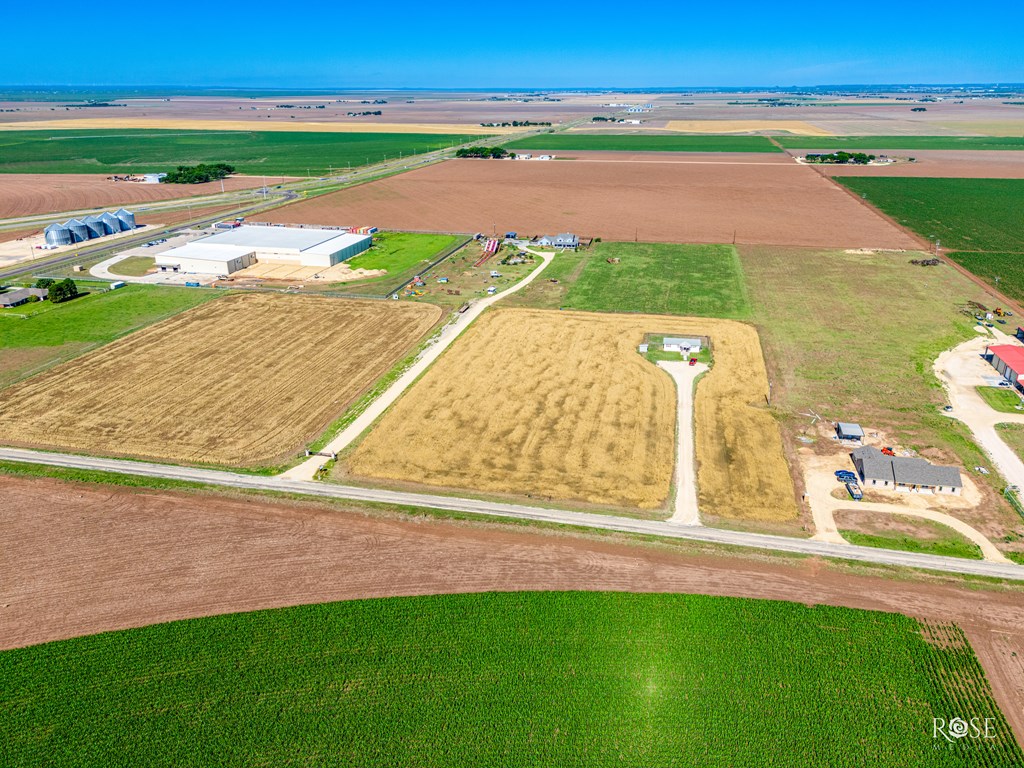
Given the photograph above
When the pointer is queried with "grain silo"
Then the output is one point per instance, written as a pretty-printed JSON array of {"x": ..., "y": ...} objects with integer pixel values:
[
  {"x": 127, "y": 219},
  {"x": 95, "y": 226},
  {"x": 79, "y": 232},
  {"x": 111, "y": 223},
  {"x": 58, "y": 234}
]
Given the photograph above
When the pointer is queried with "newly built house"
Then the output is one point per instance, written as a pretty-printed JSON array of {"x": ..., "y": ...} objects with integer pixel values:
[
  {"x": 901, "y": 473},
  {"x": 240, "y": 247},
  {"x": 682, "y": 345},
  {"x": 564, "y": 240}
]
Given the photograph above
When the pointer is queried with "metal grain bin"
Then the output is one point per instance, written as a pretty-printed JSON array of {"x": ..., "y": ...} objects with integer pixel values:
[
  {"x": 58, "y": 234},
  {"x": 79, "y": 232},
  {"x": 127, "y": 219},
  {"x": 95, "y": 225},
  {"x": 111, "y": 223}
]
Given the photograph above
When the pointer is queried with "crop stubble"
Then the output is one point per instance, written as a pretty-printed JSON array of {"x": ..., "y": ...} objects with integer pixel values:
[
  {"x": 560, "y": 405},
  {"x": 241, "y": 380}
]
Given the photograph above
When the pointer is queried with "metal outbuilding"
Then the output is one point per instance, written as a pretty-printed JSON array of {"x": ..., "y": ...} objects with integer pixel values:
[
  {"x": 847, "y": 431},
  {"x": 58, "y": 234}
]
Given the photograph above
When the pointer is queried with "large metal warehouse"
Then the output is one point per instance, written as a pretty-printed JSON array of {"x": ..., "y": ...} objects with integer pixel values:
[{"x": 229, "y": 251}]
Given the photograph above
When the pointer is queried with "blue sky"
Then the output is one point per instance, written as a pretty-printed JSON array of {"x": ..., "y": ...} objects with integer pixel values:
[{"x": 545, "y": 45}]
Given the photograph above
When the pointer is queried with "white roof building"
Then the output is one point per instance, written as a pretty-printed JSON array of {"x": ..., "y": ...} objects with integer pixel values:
[{"x": 235, "y": 249}]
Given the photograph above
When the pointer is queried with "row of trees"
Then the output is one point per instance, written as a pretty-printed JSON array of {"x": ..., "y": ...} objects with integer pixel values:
[
  {"x": 496, "y": 153},
  {"x": 514, "y": 124},
  {"x": 58, "y": 290},
  {"x": 198, "y": 174},
  {"x": 841, "y": 158}
]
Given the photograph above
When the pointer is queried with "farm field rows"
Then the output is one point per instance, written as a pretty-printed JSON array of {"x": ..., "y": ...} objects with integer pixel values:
[
  {"x": 867, "y": 356},
  {"x": 65, "y": 330},
  {"x": 239, "y": 381},
  {"x": 257, "y": 152},
  {"x": 560, "y": 405},
  {"x": 560, "y": 678},
  {"x": 632, "y": 142},
  {"x": 251, "y": 123},
  {"x": 965, "y": 214},
  {"x": 833, "y": 143},
  {"x": 677, "y": 203},
  {"x": 28, "y": 194}
]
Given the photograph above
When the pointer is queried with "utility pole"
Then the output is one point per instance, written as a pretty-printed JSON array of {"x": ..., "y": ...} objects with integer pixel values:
[{"x": 769, "y": 398}]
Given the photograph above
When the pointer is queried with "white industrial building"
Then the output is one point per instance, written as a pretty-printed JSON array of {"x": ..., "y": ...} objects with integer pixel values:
[{"x": 238, "y": 248}]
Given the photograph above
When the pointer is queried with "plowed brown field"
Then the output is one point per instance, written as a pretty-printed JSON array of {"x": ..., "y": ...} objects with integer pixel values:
[
  {"x": 26, "y": 194},
  {"x": 561, "y": 405},
  {"x": 82, "y": 559},
  {"x": 242, "y": 380},
  {"x": 756, "y": 203}
]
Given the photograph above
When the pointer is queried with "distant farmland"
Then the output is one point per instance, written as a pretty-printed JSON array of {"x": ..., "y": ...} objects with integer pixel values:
[
  {"x": 901, "y": 142},
  {"x": 545, "y": 678},
  {"x": 577, "y": 142},
  {"x": 273, "y": 153}
]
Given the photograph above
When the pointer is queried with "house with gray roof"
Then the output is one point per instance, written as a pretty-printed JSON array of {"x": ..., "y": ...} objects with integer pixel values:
[
  {"x": 20, "y": 296},
  {"x": 902, "y": 473},
  {"x": 564, "y": 240}
]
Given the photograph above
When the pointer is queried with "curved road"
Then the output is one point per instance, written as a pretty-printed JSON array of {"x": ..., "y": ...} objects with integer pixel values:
[{"x": 522, "y": 512}]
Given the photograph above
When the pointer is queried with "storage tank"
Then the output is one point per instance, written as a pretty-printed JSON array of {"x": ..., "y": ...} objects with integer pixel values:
[
  {"x": 95, "y": 226},
  {"x": 127, "y": 219},
  {"x": 58, "y": 234},
  {"x": 111, "y": 223},
  {"x": 79, "y": 232}
]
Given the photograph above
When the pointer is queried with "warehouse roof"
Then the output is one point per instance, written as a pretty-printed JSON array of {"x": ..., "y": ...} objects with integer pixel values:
[
  {"x": 204, "y": 250},
  {"x": 1010, "y": 354},
  {"x": 306, "y": 239}
]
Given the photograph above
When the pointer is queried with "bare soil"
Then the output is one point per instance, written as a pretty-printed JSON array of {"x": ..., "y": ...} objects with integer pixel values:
[
  {"x": 81, "y": 559},
  {"x": 755, "y": 203},
  {"x": 27, "y": 194}
]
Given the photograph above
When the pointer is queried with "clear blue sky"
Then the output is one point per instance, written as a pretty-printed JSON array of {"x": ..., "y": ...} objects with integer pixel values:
[{"x": 404, "y": 44}]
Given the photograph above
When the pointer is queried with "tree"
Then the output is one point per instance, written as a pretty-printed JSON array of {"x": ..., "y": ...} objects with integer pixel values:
[
  {"x": 64, "y": 290},
  {"x": 44, "y": 282}
]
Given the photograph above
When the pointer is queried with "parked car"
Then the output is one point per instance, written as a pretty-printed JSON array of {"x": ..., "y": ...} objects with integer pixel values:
[
  {"x": 855, "y": 492},
  {"x": 845, "y": 475},
  {"x": 693, "y": 361},
  {"x": 947, "y": 408}
]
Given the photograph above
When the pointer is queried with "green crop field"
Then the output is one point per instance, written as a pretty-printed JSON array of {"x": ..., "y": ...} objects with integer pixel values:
[
  {"x": 576, "y": 142},
  {"x": 702, "y": 280},
  {"x": 530, "y": 679},
  {"x": 274, "y": 153},
  {"x": 62, "y": 331},
  {"x": 1004, "y": 271},
  {"x": 965, "y": 214},
  {"x": 901, "y": 142}
]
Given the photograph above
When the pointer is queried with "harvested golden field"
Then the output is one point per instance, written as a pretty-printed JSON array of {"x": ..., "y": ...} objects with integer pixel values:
[
  {"x": 797, "y": 127},
  {"x": 189, "y": 124},
  {"x": 242, "y": 380},
  {"x": 560, "y": 405}
]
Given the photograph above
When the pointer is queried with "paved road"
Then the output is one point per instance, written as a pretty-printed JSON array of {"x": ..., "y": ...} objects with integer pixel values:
[
  {"x": 522, "y": 512},
  {"x": 459, "y": 323}
]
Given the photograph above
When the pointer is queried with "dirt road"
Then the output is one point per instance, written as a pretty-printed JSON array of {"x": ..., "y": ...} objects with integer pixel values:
[{"x": 685, "y": 510}]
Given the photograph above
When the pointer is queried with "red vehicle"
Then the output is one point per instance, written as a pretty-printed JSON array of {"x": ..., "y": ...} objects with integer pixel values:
[
  {"x": 888, "y": 451},
  {"x": 693, "y": 361}
]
